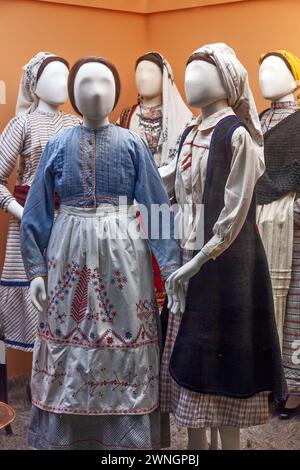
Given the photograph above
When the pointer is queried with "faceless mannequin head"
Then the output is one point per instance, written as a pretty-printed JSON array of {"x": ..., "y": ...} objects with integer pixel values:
[
  {"x": 148, "y": 76},
  {"x": 94, "y": 88},
  {"x": 52, "y": 83},
  {"x": 203, "y": 84},
  {"x": 275, "y": 78}
]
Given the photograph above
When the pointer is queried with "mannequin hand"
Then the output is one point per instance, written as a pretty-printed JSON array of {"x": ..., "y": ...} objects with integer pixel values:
[
  {"x": 15, "y": 209},
  {"x": 38, "y": 294},
  {"x": 167, "y": 170},
  {"x": 176, "y": 299},
  {"x": 175, "y": 283}
]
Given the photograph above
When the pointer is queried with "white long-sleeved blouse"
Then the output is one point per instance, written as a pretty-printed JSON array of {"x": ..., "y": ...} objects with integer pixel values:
[{"x": 247, "y": 165}]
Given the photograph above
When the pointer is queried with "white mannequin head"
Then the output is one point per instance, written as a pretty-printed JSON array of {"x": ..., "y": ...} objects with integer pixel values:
[
  {"x": 52, "y": 84},
  {"x": 148, "y": 78},
  {"x": 275, "y": 79},
  {"x": 203, "y": 84},
  {"x": 94, "y": 91}
]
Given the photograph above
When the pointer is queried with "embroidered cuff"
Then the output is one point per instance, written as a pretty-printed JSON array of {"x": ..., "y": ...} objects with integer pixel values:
[
  {"x": 36, "y": 270},
  {"x": 166, "y": 272},
  {"x": 215, "y": 246}
]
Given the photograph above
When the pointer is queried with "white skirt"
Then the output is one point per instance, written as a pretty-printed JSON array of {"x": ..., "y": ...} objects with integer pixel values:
[{"x": 98, "y": 345}]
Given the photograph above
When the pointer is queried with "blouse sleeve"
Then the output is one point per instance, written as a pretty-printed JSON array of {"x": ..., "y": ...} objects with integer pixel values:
[
  {"x": 153, "y": 199},
  {"x": 246, "y": 169},
  {"x": 168, "y": 175},
  {"x": 11, "y": 144},
  {"x": 38, "y": 216}
]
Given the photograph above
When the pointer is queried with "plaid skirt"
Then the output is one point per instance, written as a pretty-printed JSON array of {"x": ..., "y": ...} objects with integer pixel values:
[{"x": 197, "y": 410}]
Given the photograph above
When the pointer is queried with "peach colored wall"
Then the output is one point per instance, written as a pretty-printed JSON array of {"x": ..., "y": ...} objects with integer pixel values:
[{"x": 250, "y": 27}]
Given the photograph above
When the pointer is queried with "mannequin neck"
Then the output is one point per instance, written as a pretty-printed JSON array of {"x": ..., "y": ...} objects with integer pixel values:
[
  {"x": 150, "y": 102},
  {"x": 289, "y": 97},
  {"x": 214, "y": 108},
  {"x": 95, "y": 123},
  {"x": 47, "y": 107}
]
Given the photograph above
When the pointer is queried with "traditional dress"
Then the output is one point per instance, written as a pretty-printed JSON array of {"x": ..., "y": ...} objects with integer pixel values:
[
  {"x": 161, "y": 127},
  {"x": 279, "y": 226},
  {"x": 96, "y": 363},
  {"x": 211, "y": 391},
  {"x": 22, "y": 142},
  {"x": 147, "y": 122}
]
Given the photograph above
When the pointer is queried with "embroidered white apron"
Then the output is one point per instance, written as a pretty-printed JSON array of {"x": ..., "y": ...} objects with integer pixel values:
[{"x": 97, "y": 349}]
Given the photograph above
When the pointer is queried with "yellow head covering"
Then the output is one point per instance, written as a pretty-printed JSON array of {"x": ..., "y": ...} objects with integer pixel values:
[{"x": 291, "y": 60}]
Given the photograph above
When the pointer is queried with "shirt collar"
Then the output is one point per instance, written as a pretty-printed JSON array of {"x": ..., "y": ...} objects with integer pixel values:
[
  {"x": 212, "y": 120},
  {"x": 284, "y": 104}
]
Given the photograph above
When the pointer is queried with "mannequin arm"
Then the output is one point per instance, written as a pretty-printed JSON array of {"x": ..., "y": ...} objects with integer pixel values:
[
  {"x": 168, "y": 173},
  {"x": 15, "y": 209},
  {"x": 38, "y": 295},
  {"x": 175, "y": 282}
]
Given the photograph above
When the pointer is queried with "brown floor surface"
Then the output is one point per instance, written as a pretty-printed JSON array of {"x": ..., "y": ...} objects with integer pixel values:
[{"x": 275, "y": 435}]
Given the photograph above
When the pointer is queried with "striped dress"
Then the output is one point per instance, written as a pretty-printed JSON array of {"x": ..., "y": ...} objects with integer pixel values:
[
  {"x": 22, "y": 142},
  {"x": 291, "y": 330},
  {"x": 291, "y": 324}
]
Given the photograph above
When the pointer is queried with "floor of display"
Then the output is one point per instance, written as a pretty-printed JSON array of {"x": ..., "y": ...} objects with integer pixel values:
[{"x": 283, "y": 435}]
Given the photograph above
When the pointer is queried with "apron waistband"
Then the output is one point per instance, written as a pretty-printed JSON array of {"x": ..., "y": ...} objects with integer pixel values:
[{"x": 100, "y": 211}]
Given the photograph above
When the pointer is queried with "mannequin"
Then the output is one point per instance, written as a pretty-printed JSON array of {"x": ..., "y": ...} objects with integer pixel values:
[
  {"x": 98, "y": 335},
  {"x": 212, "y": 368},
  {"x": 43, "y": 88},
  {"x": 278, "y": 211},
  {"x": 158, "y": 117},
  {"x": 95, "y": 115},
  {"x": 160, "y": 114}
]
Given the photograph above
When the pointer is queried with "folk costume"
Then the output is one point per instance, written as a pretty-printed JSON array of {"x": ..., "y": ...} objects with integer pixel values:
[
  {"x": 161, "y": 127},
  {"x": 221, "y": 357},
  {"x": 278, "y": 192},
  {"x": 96, "y": 364},
  {"x": 22, "y": 142}
]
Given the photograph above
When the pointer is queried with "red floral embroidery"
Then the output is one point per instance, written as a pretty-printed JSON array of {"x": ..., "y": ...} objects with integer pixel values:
[
  {"x": 50, "y": 373},
  {"x": 145, "y": 309},
  {"x": 129, "y": 383},
  {"x": 109, "y": 340},
  {"x": 80, "y": 302},
  {"x": 119, "y": 280},
  {"x": 51, "y": 263},
  {"x": 77, "y": 336}
]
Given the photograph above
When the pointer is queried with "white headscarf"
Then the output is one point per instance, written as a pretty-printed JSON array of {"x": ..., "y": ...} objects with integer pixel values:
[
  {"x": 27, "y": 99},
  {"x": 235, "y": 80},
  {"x": 176, "y": 114}
]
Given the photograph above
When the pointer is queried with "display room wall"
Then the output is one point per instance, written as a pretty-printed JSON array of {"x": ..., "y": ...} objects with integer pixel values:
[{"x": 121, "y": 30}]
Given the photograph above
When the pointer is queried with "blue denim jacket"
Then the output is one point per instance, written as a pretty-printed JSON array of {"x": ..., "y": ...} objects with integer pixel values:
[{"x": 86, "y": 168}]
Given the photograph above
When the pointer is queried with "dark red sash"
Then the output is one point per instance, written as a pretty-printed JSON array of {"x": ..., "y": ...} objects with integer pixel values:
[{"x": 20, "y": 193}]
